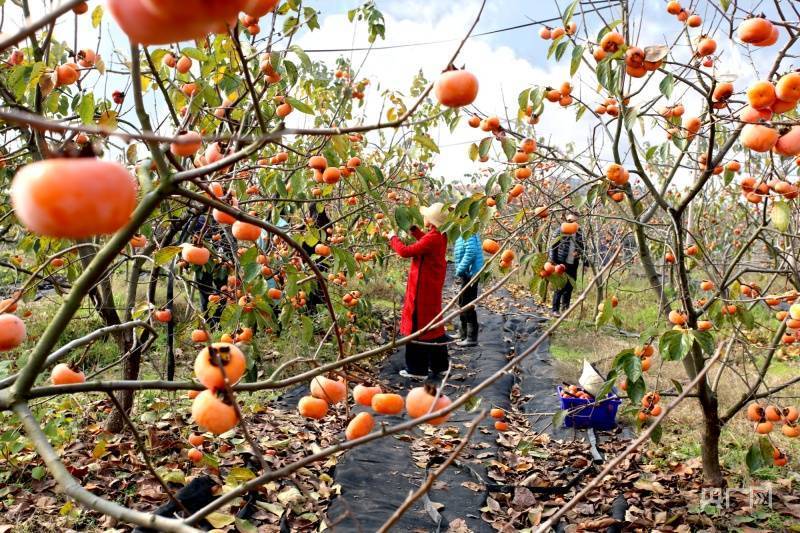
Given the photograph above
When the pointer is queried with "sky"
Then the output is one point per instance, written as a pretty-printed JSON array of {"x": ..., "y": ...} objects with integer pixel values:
[{"x": 505, "y": 63}]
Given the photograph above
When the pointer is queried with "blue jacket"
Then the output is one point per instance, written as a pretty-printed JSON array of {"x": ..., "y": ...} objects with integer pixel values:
[{"x": 468, "y": 256}]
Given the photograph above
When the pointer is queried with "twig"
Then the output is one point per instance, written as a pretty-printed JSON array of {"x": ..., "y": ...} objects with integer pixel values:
[
  {"x": 143, "y": 451},
  {"x": 433, "y": 476}
]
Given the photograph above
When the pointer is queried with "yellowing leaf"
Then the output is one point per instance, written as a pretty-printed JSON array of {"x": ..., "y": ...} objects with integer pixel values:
[
  {"x": 97, "y": 16},
  {"x": 220, "y": 520},
  {"x": 99, "y": 450},
  {"x": 779, "y": 215}
]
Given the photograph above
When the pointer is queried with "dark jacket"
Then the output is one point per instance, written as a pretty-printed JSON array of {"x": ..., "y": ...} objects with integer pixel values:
[
  {"x": 425, "y": 281},
  {"x": 559, "y": 250}
]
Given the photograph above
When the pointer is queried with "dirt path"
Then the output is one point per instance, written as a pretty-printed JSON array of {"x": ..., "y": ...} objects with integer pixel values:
[{"x": 376, "y": 478}]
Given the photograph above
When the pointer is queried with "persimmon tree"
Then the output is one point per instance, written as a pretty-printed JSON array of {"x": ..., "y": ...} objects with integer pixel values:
[
  {"x": 696, "y": 163},
  {"x": 179, "y": 161}
]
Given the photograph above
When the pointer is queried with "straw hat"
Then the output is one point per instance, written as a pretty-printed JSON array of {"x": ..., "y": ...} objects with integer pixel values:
[{"x": 433, "y": 214}]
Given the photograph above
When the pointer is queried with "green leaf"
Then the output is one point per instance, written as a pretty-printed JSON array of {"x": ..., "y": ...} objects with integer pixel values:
[
  {"x": 220, "y": 520},
  {"x": 706, "y": 341},
  {"x": 630, "y": 116},
  {"x": 745, "y": 317},
  {"x": 577, "y": 54},
  {"x": 86, "y": 108},
  {"x": 509, "y": 148},
  {"x": 38, "y": 472},
  {"x": 569, "y": 12},
  {"x": 725, "y": 4},
  {"x": 239, "y": 475},
  {"x": 674, "y": 345},
  {"x": 666, "y": 85},
  {"x": 755, "y": 458},
  {"x": 484, "y": 146},
  {"x": 558, "y": 417},
  {"x": 194, "y": 53},
  {"x": 302, "y": 56},
  {"x": 560, "y": 49},
  {"x": 727, "y": 176},
  {"x": 473, "y": 152},
  {"x": 426, "y": 141},
  {"x": 677, "y": 385},
  {"x": 165, "y": 255},
  {"x": 472, "y": 403},
  {"x": 636, "y": 390},
  {"x": 522, "y": 99},
  {"x": 97, "y": 16},
  {"x": 779, "y": 215},
  {"x": 655, "y": 436},
  {"x": 300, "y": 106},
  {"x": 605, "y": 315},
  {"x": 402, "y": 217}
]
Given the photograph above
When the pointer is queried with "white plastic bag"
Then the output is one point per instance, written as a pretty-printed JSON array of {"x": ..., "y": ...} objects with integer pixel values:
[{"x": 591, "y": 380}]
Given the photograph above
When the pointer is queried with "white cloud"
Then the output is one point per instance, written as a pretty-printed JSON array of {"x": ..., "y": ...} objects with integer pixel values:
[{"x": 501, "y": 72}]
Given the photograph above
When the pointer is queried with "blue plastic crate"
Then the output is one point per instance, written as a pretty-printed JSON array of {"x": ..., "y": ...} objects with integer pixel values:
[{"x": 585, "y": 414}]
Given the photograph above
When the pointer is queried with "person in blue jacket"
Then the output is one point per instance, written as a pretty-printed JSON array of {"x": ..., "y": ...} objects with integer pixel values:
[{"x": 468, "y": 259}]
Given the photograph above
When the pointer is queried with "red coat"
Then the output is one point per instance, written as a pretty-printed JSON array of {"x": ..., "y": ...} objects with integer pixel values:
[{"x": 425, "y": 281}]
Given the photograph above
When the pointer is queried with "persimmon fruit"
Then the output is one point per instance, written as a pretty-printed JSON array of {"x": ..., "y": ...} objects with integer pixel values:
[
  {"x": 244, "y": 231},
  {"x": 63, "y": 374},
  {"x": 311, "y": 407},
  {"x": 456, "y": 88},
  {"x": 195, "y": 455},
  {"x": 73, "y": 198},
  {"x": 206, "y": 367},
  {"x": 420, "y": 402},
  {"x": 195, "y": 255},
  {"x": 214, "y": 413},
  {"x": 759, "y": 138},
  {"x": 387, "y": 403},
  {"x": 490, "y": 246},
  {"x": 359, "y": 426},
  {"x": 363, "y": 394},
  {"x": 754, "y": 30},
  {"x": 332, "y": 391}
]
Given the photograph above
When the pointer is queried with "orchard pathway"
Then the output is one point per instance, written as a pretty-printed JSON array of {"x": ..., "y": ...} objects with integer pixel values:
[{"x": 377, "y": 477}]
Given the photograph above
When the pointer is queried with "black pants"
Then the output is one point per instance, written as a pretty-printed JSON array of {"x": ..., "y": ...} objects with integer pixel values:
[
  {"x": 562, "y": 296},
  {"x": 469, "y": 317},
  {"x": 208, "y": 283},
  {"x": 430, "y": 357}
]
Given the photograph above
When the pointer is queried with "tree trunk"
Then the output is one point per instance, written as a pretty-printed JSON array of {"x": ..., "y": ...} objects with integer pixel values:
[
  {"x": 130, "y": 371},
  {"x": 712, "y": 426}
]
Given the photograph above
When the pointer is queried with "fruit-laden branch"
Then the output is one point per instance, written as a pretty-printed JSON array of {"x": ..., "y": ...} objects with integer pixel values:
[
  {"x": 632, "y": 447},
  {"x": 104, "y": 386},
  {"x": 32, "y": 27},
  {"x": 80, "y": 289},
  {"x": 274, "y": 230},
  {"x": 762, "y": 373},
  {"x": 426, "y": 486},
  {"x": 390, "y": 430},
  {"x": 29, "y": 119},
  {"x": 81, "y": 341},
  {"x": 74, "y": 490}
]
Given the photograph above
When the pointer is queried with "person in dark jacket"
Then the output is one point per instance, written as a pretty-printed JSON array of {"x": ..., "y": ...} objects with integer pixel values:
[
  {"x": 566, "y": 250},
  {"x": 423, "y": 299},
  {"x": 468, "y": 259}
]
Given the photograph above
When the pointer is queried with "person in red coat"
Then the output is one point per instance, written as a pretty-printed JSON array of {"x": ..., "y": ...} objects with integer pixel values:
[{"x": 423, "y": 299}]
